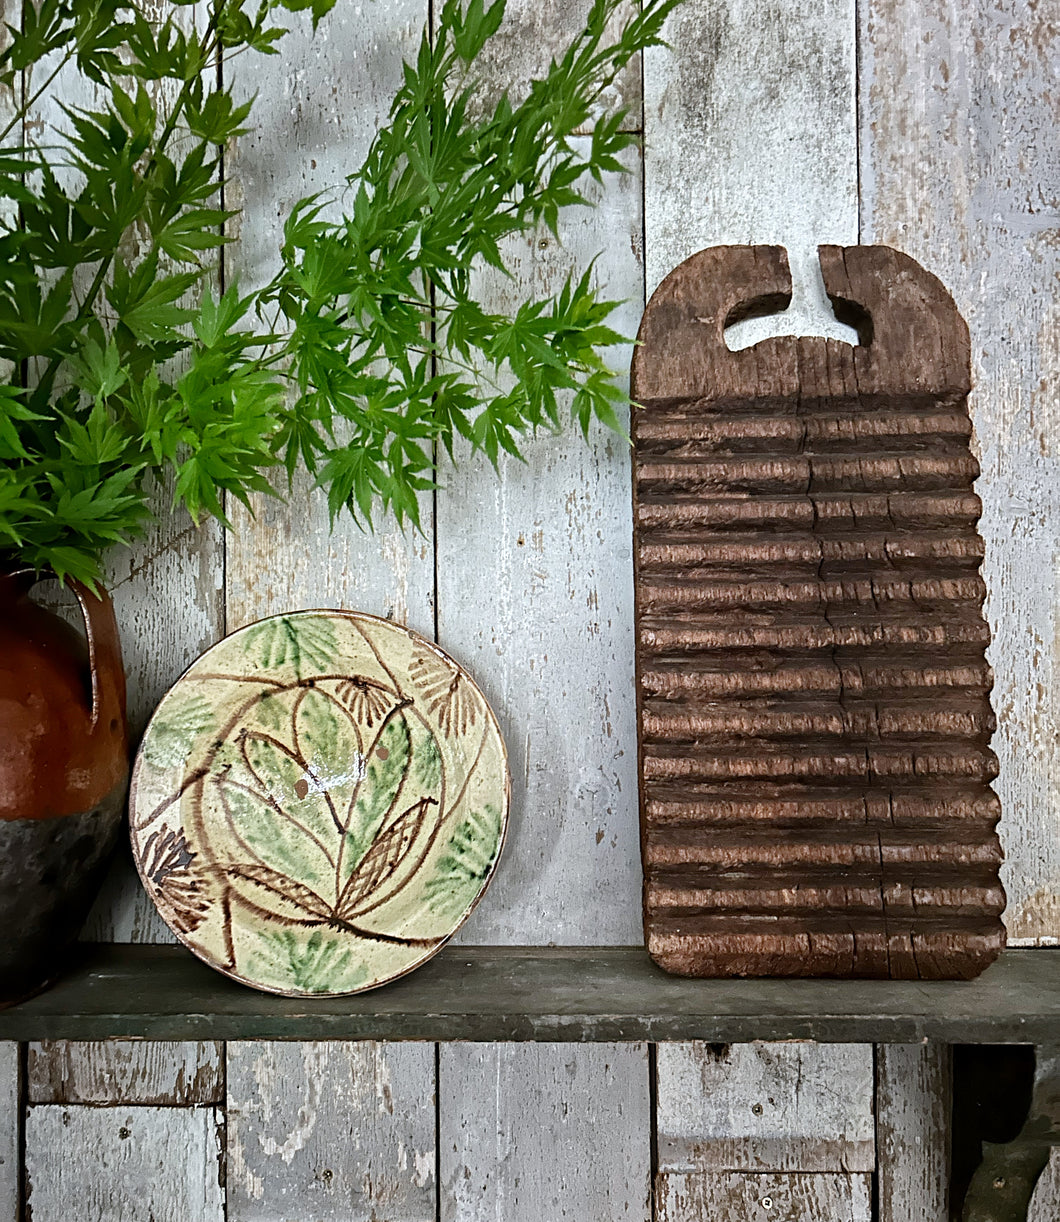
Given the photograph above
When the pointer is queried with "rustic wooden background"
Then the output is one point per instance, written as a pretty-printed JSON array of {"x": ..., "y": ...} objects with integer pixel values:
[{"x": 926, "y": 124}]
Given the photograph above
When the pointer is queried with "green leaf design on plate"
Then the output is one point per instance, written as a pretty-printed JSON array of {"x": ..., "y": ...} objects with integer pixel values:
[
  {"x": 175, "y": 729},
  {"x": 273, "y": 711},
  {"x": 383, "y": 870},
  {"x": 329, "y": 740},
  {"x": 305, "y": 811},
  {"x": 271, "y": 766},
  {"x": 427, "y": 769},
  {"x": 280, "y": 839},
  {"x": 385, "y": 769},
  {"x": 318, "y": 964},
  {"x": 308, "y": 644},
  {"x": 466, "y": 863}
]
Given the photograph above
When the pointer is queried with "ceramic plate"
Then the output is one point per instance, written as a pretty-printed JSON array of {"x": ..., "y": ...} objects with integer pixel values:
[{"x": 319, "y": 802}]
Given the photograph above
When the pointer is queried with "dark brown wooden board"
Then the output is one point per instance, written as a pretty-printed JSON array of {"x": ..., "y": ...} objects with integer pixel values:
[
  {"x": 813, "y": 694},
  {"x": 539, "y": 993}
]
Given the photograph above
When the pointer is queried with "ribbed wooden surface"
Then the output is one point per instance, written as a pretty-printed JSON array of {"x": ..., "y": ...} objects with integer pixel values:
[{"x": 813, "y": 694}]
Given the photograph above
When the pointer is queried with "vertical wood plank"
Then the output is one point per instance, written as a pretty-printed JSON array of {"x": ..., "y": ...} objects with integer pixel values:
[
  {"x": 765, "y": 1107},
  {"x": 912, "y": 1132},
  {"x": 318, "y": 106},
  {"x": 959, "y": 163},
  {"x": 129, "y": 1072},
  {"x": 535, "y": 598},
  {"x": 750, "y": 136},
  {"x": 167, "y": 598},
  {"x": 10, "y": 1117},
  {"x": 166, "y": 586},
  {"x": 113, "y": 1164},
  {"x": 10, "y": 99},
  {"x": 532, "y": 34},
  {"x": 351, "y": 1147},
  {"x": 336, "y": 1132},
  {"x": 10, "y": 1092},
  {"x": 764, "y": 1131},
  {"x": 543, "y": 1132}
]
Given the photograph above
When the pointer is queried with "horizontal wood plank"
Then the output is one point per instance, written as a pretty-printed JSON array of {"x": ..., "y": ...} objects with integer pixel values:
[
  {"x": 742, "y": 1196},
  {"x": 124, "y": 1072},
  {"x": 540, "y": 993}
]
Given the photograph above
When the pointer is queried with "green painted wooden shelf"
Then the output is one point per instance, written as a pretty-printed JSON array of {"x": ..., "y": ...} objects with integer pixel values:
[{"x": 538, "y": 993}]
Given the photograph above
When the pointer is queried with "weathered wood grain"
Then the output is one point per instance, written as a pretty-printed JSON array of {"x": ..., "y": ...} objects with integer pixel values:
[
  {"x": 336, "y": 1132},
  {"x": 764, "y": 1107},
  {"x": 750, "y": 137},
  {"x": 912, "y": 1132},
  {"x": 740, "y": 1196},
  {"x": 10, "y": 99},
  {"x": 123, "y": 1164},
  {"x": 1045, "y": 1204},
  {"x": 10, "y": 1121},
  {"x": 543, "y": 1131},
  {"x": 167, "y": 598},
  {"x": 958, "y": 168},
  {"x": 318, "y": 105},
  {"x": 124, "y": 1072},
  {"x": 745, "y": 80},
  {"x": 534, "y": 599},
  {"x": 569, "y": 993},
  {"x": 350, "y": 1150},
  {"x": 764, "y": 1131},
  {"x": 533, "y": 33}
]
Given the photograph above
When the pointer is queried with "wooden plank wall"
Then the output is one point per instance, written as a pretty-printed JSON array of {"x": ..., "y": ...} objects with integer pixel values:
[
  {"x": 926, "y": 125},
  {"x": 959, "y": 167},
  {"x": 765, "y": 1130}
]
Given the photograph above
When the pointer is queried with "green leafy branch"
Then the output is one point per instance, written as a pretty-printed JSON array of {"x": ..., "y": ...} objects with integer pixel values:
[{"x": 378, "y": 353}]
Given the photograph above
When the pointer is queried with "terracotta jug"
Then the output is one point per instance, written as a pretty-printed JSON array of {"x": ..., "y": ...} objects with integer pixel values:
[{"x": 64, "y": 766}]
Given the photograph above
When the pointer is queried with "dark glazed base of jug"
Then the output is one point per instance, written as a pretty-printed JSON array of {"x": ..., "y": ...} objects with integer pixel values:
[{"x": 50, "y": 872}]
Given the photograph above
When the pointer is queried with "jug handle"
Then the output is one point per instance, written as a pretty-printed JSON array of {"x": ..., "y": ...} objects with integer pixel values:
[
  {"x": 104, "y": 655},
  {"x": 104, "y": 646}
]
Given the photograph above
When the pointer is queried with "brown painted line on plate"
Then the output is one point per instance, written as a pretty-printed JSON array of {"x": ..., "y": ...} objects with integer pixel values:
[
  {"x": 444, "y": 816},
  {"x": 378, "y": 656},
  {"x": 419, "y": 809},
  {"x": 192, "y": 779},
  {"x": 403, "y": 703},
  {"x": 216, "y": 675}
]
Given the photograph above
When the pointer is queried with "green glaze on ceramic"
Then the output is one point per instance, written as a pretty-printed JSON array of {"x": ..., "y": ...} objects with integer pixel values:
[{"x": 319, "y": 802}]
